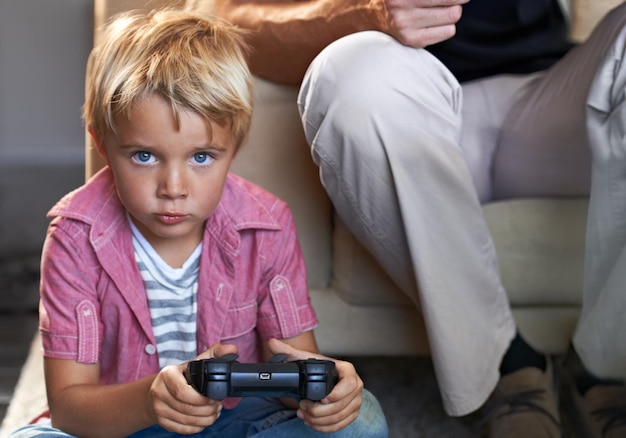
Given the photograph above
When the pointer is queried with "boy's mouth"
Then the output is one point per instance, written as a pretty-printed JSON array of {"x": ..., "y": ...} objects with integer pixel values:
[{"x": 171, "y": 218}]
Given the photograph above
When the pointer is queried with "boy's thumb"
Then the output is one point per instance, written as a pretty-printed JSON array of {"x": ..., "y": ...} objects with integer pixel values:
[
  {"x": 278, "y": 347},
  {"x": 218, "y": 350}
]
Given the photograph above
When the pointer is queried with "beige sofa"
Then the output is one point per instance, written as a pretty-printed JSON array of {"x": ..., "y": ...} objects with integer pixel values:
[{"x": 539, "y": 241}]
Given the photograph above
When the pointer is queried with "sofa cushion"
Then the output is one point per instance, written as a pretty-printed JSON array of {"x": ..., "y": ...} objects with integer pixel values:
[
  {"x": 540, "y": 247},
  {"x": 357, "y": 276}
]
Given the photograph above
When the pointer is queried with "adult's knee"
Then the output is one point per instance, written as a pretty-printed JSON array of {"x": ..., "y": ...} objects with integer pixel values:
[{"x": 370, "y": 76}]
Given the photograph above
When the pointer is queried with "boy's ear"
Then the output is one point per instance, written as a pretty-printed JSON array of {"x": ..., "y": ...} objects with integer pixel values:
[{"x": 98, "y": 143}]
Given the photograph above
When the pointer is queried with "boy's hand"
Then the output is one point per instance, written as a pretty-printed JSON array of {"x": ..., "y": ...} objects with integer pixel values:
[
  {"x": 179, "y": 408},
  {"x": 341, "y": 407}
]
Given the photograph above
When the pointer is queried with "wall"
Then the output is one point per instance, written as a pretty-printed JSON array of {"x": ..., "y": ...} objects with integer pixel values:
[{"x": 44, "y": 45}]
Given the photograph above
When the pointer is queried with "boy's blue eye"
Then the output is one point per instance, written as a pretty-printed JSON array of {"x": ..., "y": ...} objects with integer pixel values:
[
  {"x": 201, "y": 158},
  {"x": 143, "y": 157}
]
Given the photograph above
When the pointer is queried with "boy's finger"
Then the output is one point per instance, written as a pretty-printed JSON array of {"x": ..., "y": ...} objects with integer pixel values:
[
  {"x": 279, "y": 347},
  {"x": 220, "y": 350},
  {"x": 217, "y": 350}
]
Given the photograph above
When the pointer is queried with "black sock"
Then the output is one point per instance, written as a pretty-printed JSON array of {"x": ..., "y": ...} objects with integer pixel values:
[
  {"x": 521, "y": 355},
  {"x": 586, "y": 381},
  {"x": 583, "y": 378}
]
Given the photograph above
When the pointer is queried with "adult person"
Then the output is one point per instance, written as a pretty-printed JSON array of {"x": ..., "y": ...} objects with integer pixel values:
[{"x": 418, "y": 111}]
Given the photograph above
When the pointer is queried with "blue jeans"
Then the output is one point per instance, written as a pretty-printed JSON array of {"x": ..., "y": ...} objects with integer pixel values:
[{"x": 253, "y": 417}]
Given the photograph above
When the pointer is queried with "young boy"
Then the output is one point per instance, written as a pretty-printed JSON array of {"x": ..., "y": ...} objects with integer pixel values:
[{"x": 163, "y": 256}]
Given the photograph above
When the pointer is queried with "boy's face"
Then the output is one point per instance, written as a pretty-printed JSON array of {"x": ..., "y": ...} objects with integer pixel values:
[{"x": 169, "y": 180}]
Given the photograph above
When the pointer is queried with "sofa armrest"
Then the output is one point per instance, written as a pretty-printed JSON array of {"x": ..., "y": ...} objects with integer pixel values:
[
  {"x": 585, "y": 14},
  {"x": 277, "y": 157}
]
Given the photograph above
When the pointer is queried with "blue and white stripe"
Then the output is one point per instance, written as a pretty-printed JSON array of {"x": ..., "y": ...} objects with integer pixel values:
[{"x": 171, "y": 296}]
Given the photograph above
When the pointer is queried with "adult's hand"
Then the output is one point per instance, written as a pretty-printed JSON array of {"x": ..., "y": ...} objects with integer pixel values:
[{"x": 421, "y": 23}]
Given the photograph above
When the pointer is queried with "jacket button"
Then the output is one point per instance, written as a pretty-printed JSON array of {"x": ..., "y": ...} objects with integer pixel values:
[{"x": 150, "y": 349}]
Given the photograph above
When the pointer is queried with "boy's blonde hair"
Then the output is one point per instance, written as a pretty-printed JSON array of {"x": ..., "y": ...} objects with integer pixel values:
[{"x": 189, "y": 59}]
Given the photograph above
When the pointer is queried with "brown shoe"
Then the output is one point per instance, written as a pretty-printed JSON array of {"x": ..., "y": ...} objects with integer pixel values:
[
  {"x": 524, "y": 405},
  {"x": 603, "y": 411}
]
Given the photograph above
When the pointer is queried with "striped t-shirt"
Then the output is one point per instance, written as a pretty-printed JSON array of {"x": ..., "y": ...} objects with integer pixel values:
[{"x": 171, "y": 296}]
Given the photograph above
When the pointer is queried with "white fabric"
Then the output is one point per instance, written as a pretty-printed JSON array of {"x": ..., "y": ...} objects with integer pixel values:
[{"x": 407, "y": 155}]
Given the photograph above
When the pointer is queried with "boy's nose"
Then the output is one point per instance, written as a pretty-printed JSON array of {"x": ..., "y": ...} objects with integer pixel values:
[{"x": 172, "y": 184}]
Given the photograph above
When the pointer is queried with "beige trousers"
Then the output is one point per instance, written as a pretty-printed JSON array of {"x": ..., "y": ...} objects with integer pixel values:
[{"x": 408, "y": 155}]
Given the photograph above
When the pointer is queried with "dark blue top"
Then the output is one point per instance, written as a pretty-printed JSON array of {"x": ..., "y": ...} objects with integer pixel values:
[{"x": 504, "y": 36}]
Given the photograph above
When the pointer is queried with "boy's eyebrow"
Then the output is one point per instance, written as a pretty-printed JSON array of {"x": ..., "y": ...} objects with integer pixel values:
[
  {"x": 212, "y": 146},
  {"x": 132, "y": 145},
  {"x": 204, "y": 147},
  {"x": 218, "y": 147}
]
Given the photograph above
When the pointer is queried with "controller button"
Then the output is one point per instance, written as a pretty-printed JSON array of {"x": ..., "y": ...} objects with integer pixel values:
[
  {"x": 315, "y": 368},
  {"x": 219, "y": 368},
  {"x": 217, "y": 390},
  {"x": 278, "y": 358},
  {"x": 316, "y": 390},
  {"x": 227, "y": 358}
]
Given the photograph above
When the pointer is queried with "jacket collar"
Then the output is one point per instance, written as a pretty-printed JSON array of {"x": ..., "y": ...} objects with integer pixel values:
[{"x": 243, "y": 206}]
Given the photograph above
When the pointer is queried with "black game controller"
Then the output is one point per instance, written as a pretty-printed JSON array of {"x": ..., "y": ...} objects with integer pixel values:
[{"x": 223, "y": 377}]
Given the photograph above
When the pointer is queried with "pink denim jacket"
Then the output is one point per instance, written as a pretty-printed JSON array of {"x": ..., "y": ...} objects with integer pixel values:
[{"x": 252, "y": 281}]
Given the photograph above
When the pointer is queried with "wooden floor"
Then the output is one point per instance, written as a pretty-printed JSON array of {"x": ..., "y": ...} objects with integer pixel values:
[{"x": 16, "y": 333}]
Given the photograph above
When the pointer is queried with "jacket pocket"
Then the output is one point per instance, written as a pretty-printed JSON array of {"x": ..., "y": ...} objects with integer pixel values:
[{"x": 240, "y": 321}]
